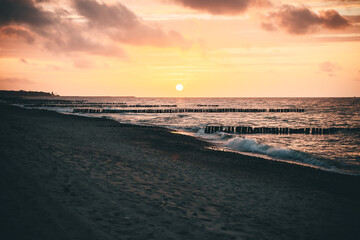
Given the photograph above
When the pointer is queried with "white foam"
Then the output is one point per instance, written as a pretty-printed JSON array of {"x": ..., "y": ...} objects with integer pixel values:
[
  {"x": 213, "y": 136},
  {"x": 253, "y": 146}
]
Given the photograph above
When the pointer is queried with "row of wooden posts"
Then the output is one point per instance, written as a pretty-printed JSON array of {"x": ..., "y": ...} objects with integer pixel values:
[
  {"x": 183, "y": 110},
  {"x": 207, "y": 105},
  {"x": 271, "y": 130},
  {"x": 100, "y": 105}
]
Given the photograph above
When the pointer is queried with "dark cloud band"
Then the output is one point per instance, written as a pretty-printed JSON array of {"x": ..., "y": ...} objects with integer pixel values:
[
  {"x": 125, "y": 26},
  {"x": 27, "y": 20},
  {"x": 21, "y": 33},
  {"x": 302, "y": 20},
  {"x": 223, "y": 7},
  {"x": 24, "y": 11}
]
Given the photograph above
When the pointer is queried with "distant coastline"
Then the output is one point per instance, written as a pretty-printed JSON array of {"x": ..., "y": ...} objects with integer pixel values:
[{"x": 23, "y": 93}]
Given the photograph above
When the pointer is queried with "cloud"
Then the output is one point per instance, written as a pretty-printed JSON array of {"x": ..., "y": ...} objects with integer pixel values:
[
  {"x": 329, "y": 68},
  {"x": 302, "y": 20},
  {"x": 102, "y": 15},
  {"x": 346, "y": 38},
  {"x": 105, "y": 26},
  {"x": 68, "y": 37},
  {"x": 23, "y": 60},
  {"x": 15, "y": 80},
  {"x": 53, "y": 67},
  {"x": 83, "y": 63},
  {"x": 122, "y": 25},
  {"x": 151, "y": 35},
  {"x": 24, "y": 11},
  {"x": 28, "y": 20},
  {"x": 268, "y": 26},
  {"x": 344, "y": 1},
  {"x": 14, "y": 31},
  {"x": 353, "y": 18},
  {"x": 222, "y": 7}
]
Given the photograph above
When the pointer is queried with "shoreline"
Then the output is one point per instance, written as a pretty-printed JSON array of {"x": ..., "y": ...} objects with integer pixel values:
[
  {"x": 217, "y": 147},
  {"x": 128, "y": 181},
  {"x": 214, "y": 146}
]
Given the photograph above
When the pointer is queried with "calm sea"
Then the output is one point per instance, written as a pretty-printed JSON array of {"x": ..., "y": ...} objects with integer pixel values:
[{"x": 334, "y": 152}]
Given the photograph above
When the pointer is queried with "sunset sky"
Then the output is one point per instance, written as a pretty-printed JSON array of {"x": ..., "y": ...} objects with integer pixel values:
[{"x": 214, "y": 48}]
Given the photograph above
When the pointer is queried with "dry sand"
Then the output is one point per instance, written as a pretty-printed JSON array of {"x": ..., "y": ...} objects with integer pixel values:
[{"x": 69, "y": 177}]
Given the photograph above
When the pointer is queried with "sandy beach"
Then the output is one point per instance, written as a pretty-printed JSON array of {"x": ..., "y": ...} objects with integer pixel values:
[{"x": 70, "y": 177}]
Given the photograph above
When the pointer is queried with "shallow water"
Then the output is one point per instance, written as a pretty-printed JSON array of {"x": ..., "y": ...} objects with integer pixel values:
[{"x": 337, "y": 152}]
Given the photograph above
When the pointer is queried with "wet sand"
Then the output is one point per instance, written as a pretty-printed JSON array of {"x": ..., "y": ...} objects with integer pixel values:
[{"x": 69, "y": 177}]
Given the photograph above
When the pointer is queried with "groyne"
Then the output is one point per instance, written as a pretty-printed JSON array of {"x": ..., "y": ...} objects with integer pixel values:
[
  {"x": 275, "y": 130},
  {"x": 187, "y": 110}
]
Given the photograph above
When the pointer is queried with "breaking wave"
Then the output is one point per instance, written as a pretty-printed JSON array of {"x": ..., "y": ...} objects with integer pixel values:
[{"x": 253, "y": 146}]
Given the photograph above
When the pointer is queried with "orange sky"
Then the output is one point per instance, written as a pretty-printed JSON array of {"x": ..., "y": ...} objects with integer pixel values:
[{"x": 214, "y": 48}]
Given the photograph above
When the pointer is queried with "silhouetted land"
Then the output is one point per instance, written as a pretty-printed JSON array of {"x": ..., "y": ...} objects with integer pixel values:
[
  {"x": 69, "y": 177},
  {"x": 16, "y": 94}
]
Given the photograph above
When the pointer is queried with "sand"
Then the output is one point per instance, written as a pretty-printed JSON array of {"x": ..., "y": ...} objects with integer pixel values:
[{"x": 70, "y": 177}]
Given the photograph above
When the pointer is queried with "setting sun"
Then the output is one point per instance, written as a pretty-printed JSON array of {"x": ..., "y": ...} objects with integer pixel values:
[{"x": 179, "y": 87}]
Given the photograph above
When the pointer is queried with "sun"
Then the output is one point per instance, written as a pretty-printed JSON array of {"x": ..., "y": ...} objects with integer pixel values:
[{"x": 179, "y": 87}]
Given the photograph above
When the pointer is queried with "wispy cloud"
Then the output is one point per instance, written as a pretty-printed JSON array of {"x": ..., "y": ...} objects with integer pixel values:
[
  {"x": 329, "y": 67},
  {"x": 23, "y": 60},
  {"x": 338, "y": 37},
  {"x": 124, "y": 26},
  {"x": 15, "y": 31},
  {"x": 7, "y": 80},
  {"x": 53, "y": 67},
  {"x": 83, "y": 63}
]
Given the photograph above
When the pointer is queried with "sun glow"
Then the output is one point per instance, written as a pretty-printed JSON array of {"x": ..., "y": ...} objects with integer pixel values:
[{"x": 179, "y": 87}]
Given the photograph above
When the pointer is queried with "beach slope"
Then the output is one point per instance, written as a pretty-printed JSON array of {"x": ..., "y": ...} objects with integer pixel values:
[{"x": 71, "y": 177}]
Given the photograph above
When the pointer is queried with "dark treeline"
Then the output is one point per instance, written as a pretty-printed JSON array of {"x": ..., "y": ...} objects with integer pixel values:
[
  {"x": 30, "y": 102},
  {"x": 21, "y": 93},
  {"x": 100, "y": 105}
]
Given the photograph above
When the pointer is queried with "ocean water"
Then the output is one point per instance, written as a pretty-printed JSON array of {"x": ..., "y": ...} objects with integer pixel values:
[{"x": 332, "y": 152}]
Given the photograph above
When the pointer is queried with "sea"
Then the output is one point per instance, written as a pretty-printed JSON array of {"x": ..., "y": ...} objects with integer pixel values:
[{"x": 338, "y": 151}]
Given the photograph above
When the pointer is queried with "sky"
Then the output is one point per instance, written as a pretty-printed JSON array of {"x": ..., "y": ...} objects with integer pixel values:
[{"x": 214, "y": 48}]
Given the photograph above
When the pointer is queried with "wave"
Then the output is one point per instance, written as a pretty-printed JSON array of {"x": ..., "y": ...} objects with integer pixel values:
[
  {"x": 213, "y": 136},
  {"x": 225, "y": 140},
  {"x": 253, "y": 146}
]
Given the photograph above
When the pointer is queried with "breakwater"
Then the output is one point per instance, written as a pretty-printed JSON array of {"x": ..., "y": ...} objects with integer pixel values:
[
  {"x": 188, "y": 110},
  {"x": 275, "y": 130}
]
